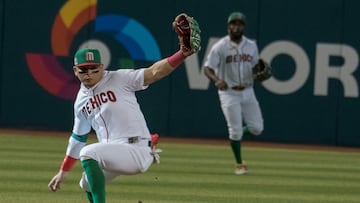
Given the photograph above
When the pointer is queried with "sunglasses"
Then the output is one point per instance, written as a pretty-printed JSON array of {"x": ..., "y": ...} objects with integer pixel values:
[{"x": 91, "y": 68}]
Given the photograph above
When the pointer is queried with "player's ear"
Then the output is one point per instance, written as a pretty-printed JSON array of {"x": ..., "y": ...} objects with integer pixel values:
[{"x": 75, "y": 71}]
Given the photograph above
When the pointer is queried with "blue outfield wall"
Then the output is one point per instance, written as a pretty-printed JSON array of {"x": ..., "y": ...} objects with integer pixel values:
[{"x": 313, "y": 97}]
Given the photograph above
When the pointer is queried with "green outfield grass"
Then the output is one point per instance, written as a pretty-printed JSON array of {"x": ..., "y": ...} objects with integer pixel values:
[{"x": 187, "y": 173}]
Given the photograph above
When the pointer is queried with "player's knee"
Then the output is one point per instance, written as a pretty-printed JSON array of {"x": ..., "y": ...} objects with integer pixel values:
[
  {"x": 86, "y": 153},
  {"x": 236, "y": 137},
  {"x": 256, "y": 129}
]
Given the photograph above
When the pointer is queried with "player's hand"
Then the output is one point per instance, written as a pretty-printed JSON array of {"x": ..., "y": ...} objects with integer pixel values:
[
  {"x": 221, "y": 85},
  {"x": 186, "y": 52},
  {"x": 54, "y": 183}
]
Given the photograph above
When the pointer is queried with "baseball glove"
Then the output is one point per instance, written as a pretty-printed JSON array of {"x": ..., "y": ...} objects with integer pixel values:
[
  {"x": 262, "y": 71},
  {"x": 188, "y": 32}
]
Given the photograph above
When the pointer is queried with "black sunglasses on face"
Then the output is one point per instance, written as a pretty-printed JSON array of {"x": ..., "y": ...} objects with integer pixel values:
[{"x": 93, "y": 69}]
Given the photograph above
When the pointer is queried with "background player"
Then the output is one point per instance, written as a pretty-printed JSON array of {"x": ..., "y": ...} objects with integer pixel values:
[
  {"x": 107, "y": 103},
  {"x": 229, "y": 64}
]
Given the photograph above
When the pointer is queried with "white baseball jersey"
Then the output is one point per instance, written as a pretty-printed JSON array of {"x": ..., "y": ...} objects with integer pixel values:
[
  {"x": 111, "y": 107},
  {"x": 233, "y": 62}
]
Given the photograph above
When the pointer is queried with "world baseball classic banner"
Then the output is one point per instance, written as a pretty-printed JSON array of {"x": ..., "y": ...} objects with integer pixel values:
[{"x": 312, "y": 98}]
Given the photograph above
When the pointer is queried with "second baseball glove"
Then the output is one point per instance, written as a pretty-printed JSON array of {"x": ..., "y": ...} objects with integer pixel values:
[{"x": 262, "y": 71}]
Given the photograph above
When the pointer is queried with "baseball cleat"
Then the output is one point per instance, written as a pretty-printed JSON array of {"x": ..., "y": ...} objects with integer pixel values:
[
  {"x": 154, "y": 151},
  {"x": 241, "y": 169}
]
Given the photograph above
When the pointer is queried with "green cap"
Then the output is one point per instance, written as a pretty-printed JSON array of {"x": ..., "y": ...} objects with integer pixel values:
[
  {"x": 236, "y": 16},
  {"x": 87, "y": 56}
]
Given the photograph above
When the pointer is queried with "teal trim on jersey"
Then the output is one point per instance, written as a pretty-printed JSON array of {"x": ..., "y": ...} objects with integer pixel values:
[{"x": 80, "y": 138}]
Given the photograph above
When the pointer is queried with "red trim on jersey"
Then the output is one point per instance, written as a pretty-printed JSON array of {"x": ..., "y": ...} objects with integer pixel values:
[
  {"x": 176, "y": 59},
  {"x": 68, "y": 163}
]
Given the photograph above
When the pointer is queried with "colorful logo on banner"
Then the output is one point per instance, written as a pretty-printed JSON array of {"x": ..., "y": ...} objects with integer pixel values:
[{"x": 72, "y": 17}]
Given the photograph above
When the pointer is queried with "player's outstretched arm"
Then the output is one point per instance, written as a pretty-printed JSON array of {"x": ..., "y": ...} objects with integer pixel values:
[
  {"x": 162, "y": 68},
  {"x": 188, "y": 32},
  {"x": 76, "y": 143}
]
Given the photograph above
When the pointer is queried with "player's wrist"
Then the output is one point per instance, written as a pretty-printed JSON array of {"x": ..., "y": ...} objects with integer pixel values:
[
  {"x": 63, "y": 174},
  {"x": 68, "y": 163},
  {"x": 176, "y": 59}
]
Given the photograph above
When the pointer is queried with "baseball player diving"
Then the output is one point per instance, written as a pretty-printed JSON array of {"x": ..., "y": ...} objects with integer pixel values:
[
  {"x": 229, "y": 65},
  {"x": 106, "y": 103}
]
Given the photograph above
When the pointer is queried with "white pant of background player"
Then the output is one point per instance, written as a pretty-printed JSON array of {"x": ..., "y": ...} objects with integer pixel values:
[{"x": 238, "y": 107}]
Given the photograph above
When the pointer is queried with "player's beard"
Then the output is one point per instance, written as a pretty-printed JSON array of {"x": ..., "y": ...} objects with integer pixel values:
[{"x": 236, "y": 36}]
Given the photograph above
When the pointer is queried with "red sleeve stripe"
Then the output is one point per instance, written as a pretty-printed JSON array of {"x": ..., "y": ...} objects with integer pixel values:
[
  {"x": 176, "y": 59},
  {"x": 68, "y": 163}
]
